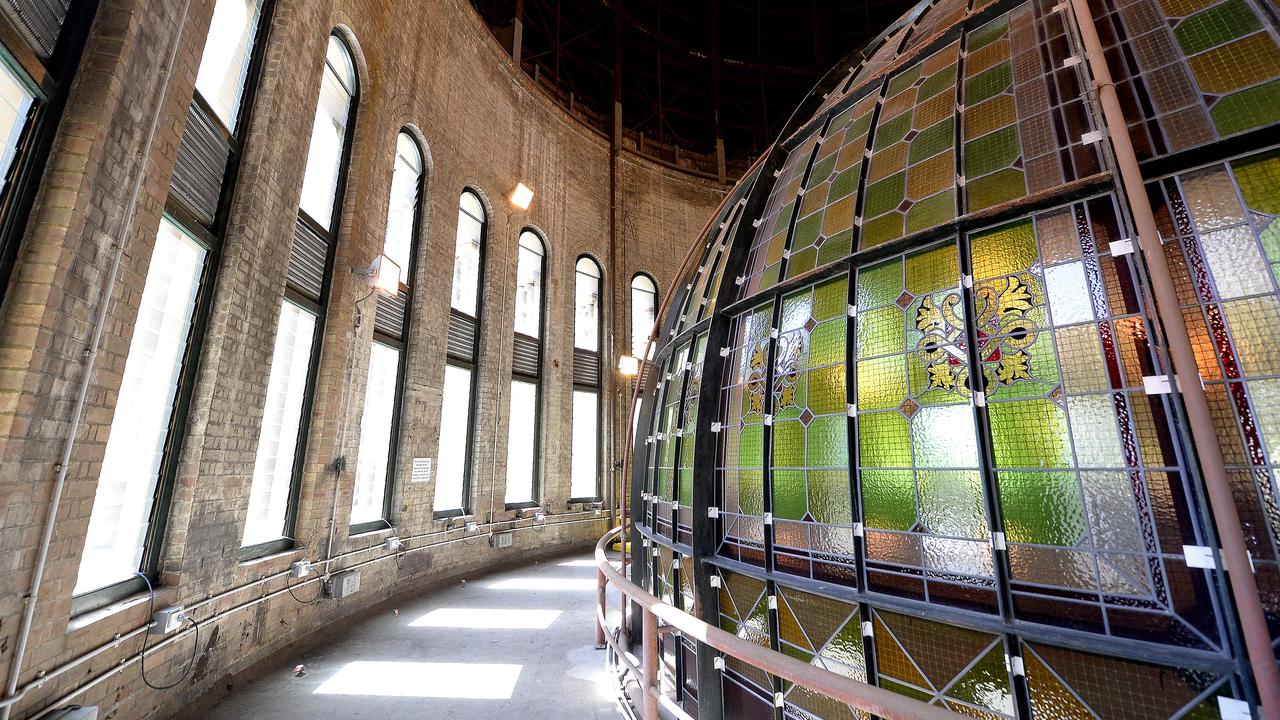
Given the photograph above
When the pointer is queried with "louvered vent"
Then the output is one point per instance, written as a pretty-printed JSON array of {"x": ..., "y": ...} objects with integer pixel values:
[
  {"x": 586, "y": 368},
  {"x": 202, "y": 165},
  {"x": 527, "y": 357},
  {"x": 389, "y": 317},
  {"x": 462, "y": 336},
  {"x": 39, "y": 21},
  {"x": 306, "y": 261}
]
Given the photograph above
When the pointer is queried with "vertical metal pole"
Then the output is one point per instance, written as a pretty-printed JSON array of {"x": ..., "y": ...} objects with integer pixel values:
[
  {"x": 601, "y": 587},
  {"x": 650, "y": 665},
  {"x": 1244, "y": 588}
]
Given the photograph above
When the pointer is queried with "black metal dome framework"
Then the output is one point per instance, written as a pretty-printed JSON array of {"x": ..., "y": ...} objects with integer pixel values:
[{"x": 913, "y": 416}]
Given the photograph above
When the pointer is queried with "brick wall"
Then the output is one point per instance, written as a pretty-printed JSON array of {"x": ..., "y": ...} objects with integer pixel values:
[{"x": 426, "y": 63}]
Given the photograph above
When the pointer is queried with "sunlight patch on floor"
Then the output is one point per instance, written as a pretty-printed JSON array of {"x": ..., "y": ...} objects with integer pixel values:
[
  {"x": 488, "y": 618},
  {"x": 468, "y": 681},
  {"x": 531, "y": 583}
]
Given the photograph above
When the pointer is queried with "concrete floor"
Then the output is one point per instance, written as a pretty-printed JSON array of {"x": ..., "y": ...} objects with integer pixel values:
[{"x": 518, "y": 644}]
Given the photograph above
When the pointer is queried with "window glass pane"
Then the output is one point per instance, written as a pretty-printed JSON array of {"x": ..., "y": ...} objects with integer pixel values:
[
  {"x": 586, "y": 320},
  {"x": 225, "y": 63},
  {"x": 528, "y": 320},
  {"x": 15, "y": 103},
  {"x": 521, "y": 440},
  {"x": 324, "y": 158},
  {"x": 455, "y": 426},
  {"x": 586, "y": 446},
  {"x": 403, "y": 207},
  {"x": 281, "y": 418},
  {"x": 466, "y": 255},
  {"x": 135, "y": 447},
  {"x": 644, "y": 309},
  {"x": 375, "y": 434}
]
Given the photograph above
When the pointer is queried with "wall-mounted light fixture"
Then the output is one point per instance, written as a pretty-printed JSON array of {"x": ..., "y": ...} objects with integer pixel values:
[
  {"x": 383, "y": 275},
  {"x": 521, "y": 196},
  {"x": 628, "y": 365}
]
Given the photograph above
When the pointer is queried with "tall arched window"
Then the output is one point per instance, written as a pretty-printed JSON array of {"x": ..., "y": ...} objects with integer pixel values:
[
  {"x": 524, "y": 420},
  {"x": 380, "y": 422},
  {"x": 282, "y": 439},
  {"x": 457, "y": 407},
  {"x": 584, "y": 479},
  {"x": 644, "y": 311}
]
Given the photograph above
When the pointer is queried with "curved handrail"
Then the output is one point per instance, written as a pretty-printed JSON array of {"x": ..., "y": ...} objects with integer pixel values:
[{"x": 860, "y": 695}]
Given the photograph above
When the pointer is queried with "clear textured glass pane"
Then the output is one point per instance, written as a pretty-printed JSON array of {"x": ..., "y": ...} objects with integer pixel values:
[
  {"x": 584, "y": 481},
  {"x": 644, "y": 310},
  {"x": 402, "y": 209},
  {"x": 528, "y": 319},
  {"x": 281, "y": 418},
  {"x": 521, "y": 441},
  {"x": 328, "y": 135},
  {"x": 466, "y": 255},
  {"x": 375, "y": 434},
  {"x": 225, "y": 63},
  {"x": 586, "y": 317},
  {"x": 455, "y": 423},
  {"x": 126, "y": 491},
  {"x": 15, "y": 103}
]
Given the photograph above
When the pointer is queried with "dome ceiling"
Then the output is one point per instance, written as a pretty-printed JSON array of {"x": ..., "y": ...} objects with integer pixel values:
[{"x": 754, "y": 59}]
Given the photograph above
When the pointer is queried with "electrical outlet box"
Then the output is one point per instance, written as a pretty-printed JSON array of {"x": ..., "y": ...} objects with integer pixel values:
[
  {"x": 392, "y": 543},
  {"x": 471, "y": 527},
  {"x": 167, "y": 620},
  {"x": 501, "y": 540},
  {"x": 300, "y": 568},
  {"x": 75, "y": 712},
  {"x": 342, "y": 584}
]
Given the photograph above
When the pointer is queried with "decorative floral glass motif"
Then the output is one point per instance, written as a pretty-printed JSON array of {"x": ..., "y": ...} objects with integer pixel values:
[
  {"x": 1226, "y": 264},
  {"x": 1205, "y": 70},
  {"x": 824, "y": 230},
  {"x": 813, "y": 522},
  {"x": 1089, "y": 487},
  {"x": 910, "y": 184},
  {"x": 923, "y": 506},
  {"x": 962, "y": 670},
  {"x": 740, "y": 444}
]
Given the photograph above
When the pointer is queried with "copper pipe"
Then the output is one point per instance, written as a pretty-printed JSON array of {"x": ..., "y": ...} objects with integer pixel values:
[{"x": 1244, "y": 588}]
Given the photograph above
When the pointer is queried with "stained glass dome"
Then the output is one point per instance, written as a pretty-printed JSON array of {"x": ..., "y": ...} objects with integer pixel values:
[{"x": 912, "y": 415}]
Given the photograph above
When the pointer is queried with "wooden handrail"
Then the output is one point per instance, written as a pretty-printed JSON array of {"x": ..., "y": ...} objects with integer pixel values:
[{"x": 860, "y": 695}]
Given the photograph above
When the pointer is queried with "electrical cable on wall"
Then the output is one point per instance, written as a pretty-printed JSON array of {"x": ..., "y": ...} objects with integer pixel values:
[{"x": 146, "y": 637}]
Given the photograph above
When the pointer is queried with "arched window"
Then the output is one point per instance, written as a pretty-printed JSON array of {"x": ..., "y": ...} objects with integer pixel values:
[
  {"x": 644, "y": 312},
  {"x": 457, "y": 408},
  {"x": 524, "y": 420},
  {"x": 584, "y": 479},
  {"x": 380, "y": 421},
  {"x": 283, "y": 437}
]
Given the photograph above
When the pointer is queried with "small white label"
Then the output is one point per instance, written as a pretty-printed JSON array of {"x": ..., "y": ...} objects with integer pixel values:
[
  {"x": 421, "y": 470},
  {"x": 724, "y": 351},
  {"x": 739, "y": 280},
  {"x": 713, "y": 512},
  {"x": 675, "y": 563},
  {"x": 675, "y": 506},
  {"x": 777, "y": 173},
  {"x": 786, "y": 254},
  {"x": 851, "y": 409},
  {"x": 777, "y": 700},
  {"x": 715, "y": 581},
  {"x": 1232, "y": 709},
  {"x": 680, "y": 433},
  {"x": 852, "y": 311},
  {"x": 773, "y": 333},
  {"x": 718, "y": 663},
  {"x": 768, "y": 419},
  {"x": 1071, "y": 61},
  {"x": 644, "y": 542},
  {"x": 715, "y": 427},
  {"x": 1121, "y": 247},
  {"x": 656, "y": 551},
  {"x": 768, "y": 518},
  {"x": 857, "y": 529},
  {"x": 1199, "y": 556},
  {"x": 997, "y": 540},
  {"x": 1016, "y": 666},
  {"x": 966, "y": 280},
  {"x": 867, "y": 630},
  {"x": 1156, "y": 385},
  {"x": 960, "y": 180},
  {"x": 1091, "y": 137},
  {"x": 755, "y": 223},
  {"x": 773, "y": 602},
  {"x": 857, "y": 222},
  {"x": 980, "y": 398}
]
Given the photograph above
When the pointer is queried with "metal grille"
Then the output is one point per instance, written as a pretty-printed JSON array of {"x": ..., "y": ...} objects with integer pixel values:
[
  {"x": 201, "y": 166},
  {"x": 462, "y": 336},
  {"x": 527, "y": 356},
  {"x": 389, "y": 317},
  {"x": 39, "y": 21},
  {"x": 307, "y": 261},
  {"x": 586, "y": 368}
]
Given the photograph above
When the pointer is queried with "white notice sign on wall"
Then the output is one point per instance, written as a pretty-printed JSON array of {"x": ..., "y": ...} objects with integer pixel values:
[{"x": 421, "y": 470}]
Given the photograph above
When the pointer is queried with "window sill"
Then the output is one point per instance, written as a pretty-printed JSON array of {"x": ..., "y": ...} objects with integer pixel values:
[
  {"x": 375, "y": 534},
  {"x": 112, "y": 613},
  {"x": 287, "y": 556}
]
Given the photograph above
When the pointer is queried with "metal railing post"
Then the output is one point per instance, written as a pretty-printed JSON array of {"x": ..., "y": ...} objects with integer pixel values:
[
  {"x": 650, "y": 666},
  {"x": 601, "y": 585}
]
